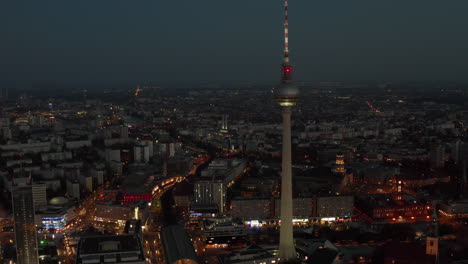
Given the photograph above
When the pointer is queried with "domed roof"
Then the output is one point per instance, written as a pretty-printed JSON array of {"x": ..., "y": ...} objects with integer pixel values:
[
  {"x": 58, "y": 200},
  {"x": 287, "y": 89}
]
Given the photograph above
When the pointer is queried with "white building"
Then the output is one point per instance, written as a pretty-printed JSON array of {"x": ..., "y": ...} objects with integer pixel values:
[
  {"x": 303, "y": 208},
  {"x": 251, "y": 209},
  {"x": 335, "y": 206},
  {"x": 215, "y": 180}
]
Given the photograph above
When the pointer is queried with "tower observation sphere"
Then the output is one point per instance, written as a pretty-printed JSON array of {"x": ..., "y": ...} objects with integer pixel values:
[{"x": 287, "y": 94}]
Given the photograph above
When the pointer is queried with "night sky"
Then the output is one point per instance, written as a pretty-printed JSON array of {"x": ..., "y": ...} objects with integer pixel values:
[{"x": 105, "y": 41}]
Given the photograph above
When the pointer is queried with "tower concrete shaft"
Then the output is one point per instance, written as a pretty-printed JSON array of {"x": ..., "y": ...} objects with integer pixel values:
[{"x": 287, "y": 250}]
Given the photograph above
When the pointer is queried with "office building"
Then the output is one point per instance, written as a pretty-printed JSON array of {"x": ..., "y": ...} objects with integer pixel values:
[
  {"x": 212, "y": 186},
  {"x": 39, "y": 190}
]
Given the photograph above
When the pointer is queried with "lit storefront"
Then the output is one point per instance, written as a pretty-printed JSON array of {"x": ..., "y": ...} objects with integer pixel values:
[
  {"x": 299, "y": 221},
  {"x": 54, "y": 222}
]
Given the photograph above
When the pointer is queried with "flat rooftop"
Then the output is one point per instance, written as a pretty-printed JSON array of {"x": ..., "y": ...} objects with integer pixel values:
[
  {"x": 252, "y": 253},
  {"x": 114, "y": 249}
]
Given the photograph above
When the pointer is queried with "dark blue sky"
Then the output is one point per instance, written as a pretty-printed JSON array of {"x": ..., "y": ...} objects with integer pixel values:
[{"x": 99, "y": 41}]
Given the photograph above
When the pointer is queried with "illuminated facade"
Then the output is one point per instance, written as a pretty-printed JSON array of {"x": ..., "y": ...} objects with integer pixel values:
[
  {"x": 335, "y": 206},
  {"x": 455, "y": 209},
  {"x": 402, "y": 212},
  {"x": 54, "y": 222},
  {"x": 211, "y": 192},
  {"x": 224, "y": 125},
  {"x": 303, "y": 207},
  {"x": 40, "y": 197},
  {"x": 112, "y": 215},
  {"x": 255, "y": 212},
  {"x": 340, "y": 164},
  {"x": 393, "y": 209},
  {"x": 223, "y": 231},
  {"x": 137, "y": 197},
  {"x": 212, "y": 187},
  {"x": 251, "y": 208}
]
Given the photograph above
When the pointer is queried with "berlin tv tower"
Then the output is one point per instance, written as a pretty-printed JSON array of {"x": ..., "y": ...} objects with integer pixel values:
[{"x": 286, "y": 96}]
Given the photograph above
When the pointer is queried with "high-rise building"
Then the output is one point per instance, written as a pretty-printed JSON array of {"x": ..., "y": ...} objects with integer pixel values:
[
  {"x": 224, "y": 124},
  {"x": 25, "y": 229},
  {"x": 286, "y": 96},
  {"x": 141, "y": 153},
  {"x": 39, "y": 190},
  {"x": 437, "y": 156},
  {"x": 211, "y": 188},
  {"x": 73, "y": 188}
]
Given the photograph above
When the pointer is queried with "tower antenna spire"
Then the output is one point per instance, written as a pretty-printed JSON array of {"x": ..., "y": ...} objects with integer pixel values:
[
  {"x": 286, "y": 67},
  {"x": 286, "y": 40}
]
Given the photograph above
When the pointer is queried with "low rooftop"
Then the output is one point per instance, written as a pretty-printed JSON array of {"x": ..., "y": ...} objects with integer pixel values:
[{"x": 115, "y": 249}]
